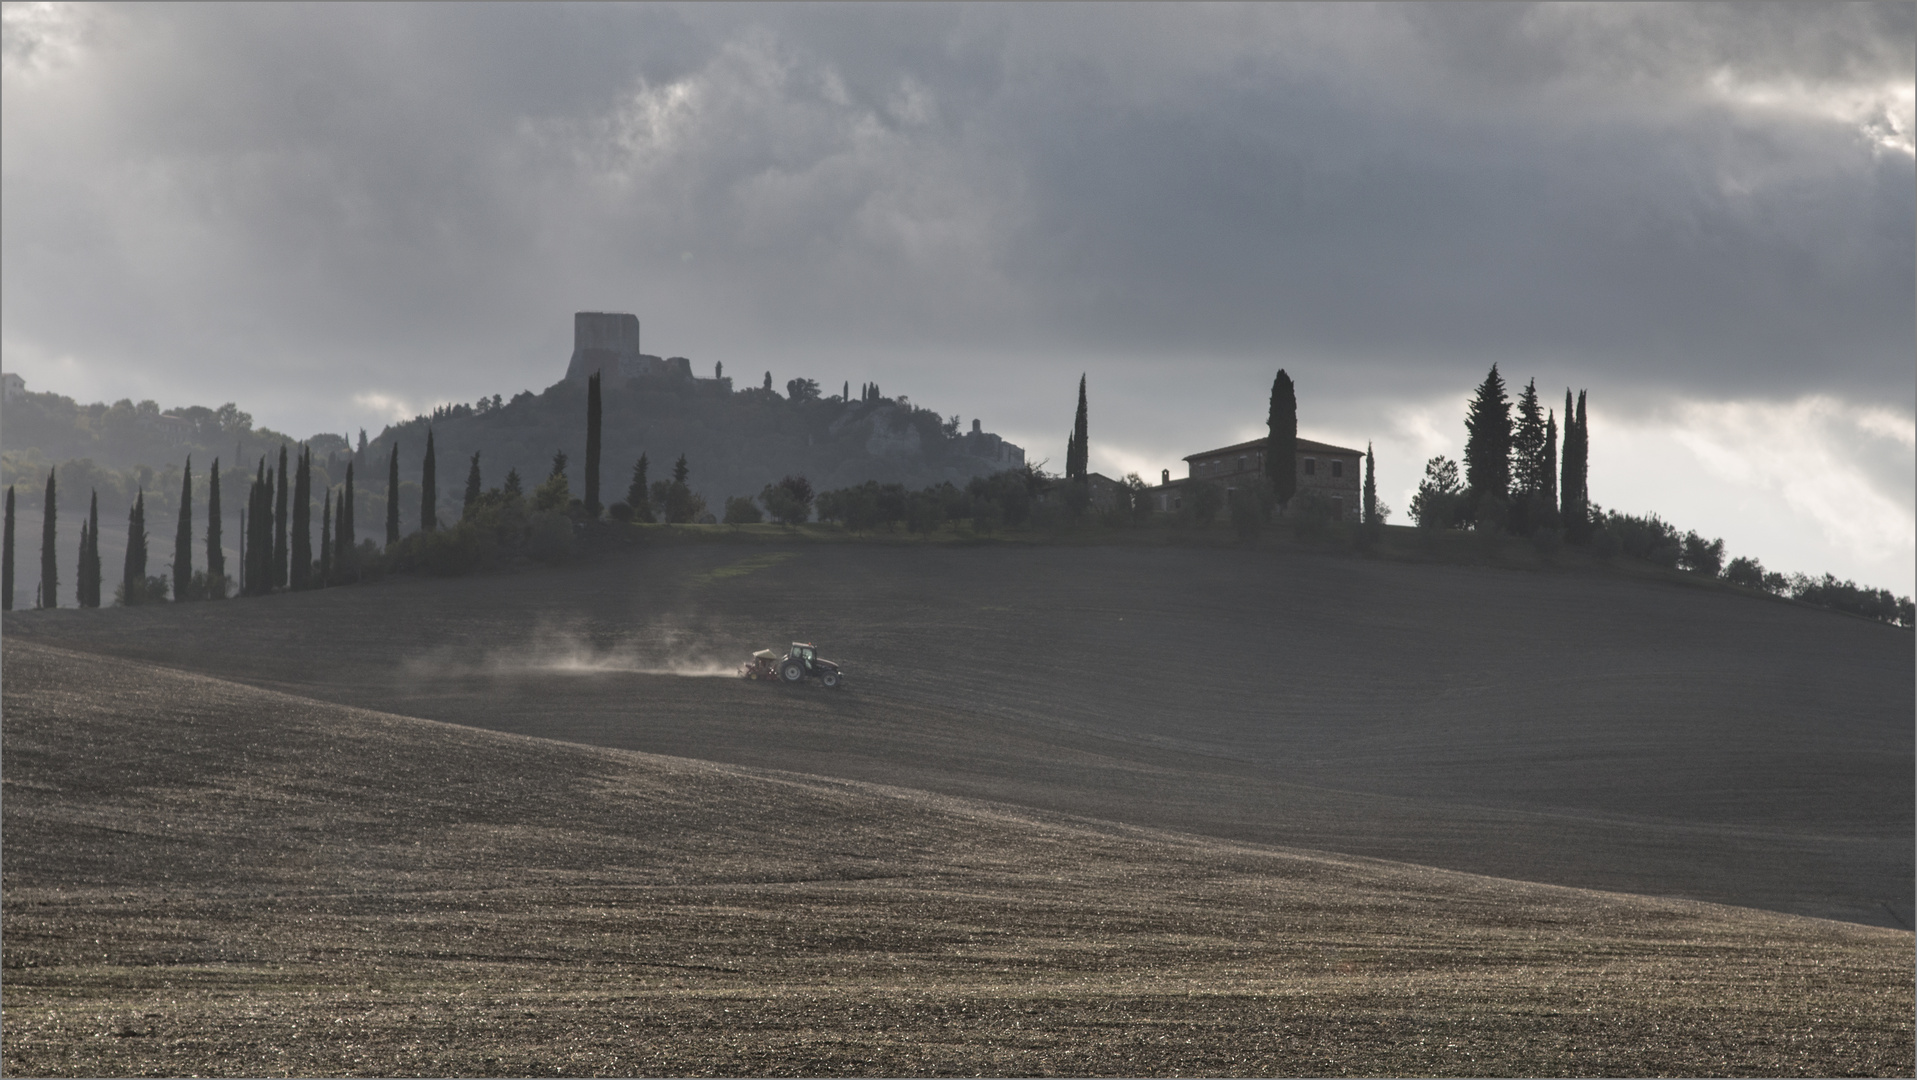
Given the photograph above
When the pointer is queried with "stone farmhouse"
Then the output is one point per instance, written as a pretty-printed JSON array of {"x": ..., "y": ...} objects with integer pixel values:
[{"x": 1335, "y": 472}]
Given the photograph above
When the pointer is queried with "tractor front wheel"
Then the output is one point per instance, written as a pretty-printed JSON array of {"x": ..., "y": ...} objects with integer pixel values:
[
  {"x": 830, "y": 679},
  {"x": 792, "y": 673}
]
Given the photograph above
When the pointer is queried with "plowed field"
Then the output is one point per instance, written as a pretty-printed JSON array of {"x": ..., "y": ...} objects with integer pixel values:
[{"x": 282, "y": 871}]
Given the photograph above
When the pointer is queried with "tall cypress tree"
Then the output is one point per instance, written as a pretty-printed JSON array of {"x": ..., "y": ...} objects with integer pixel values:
[
  {"x": 1527, "y": 462},
  {"x": 133, "y": 572},
  {"x": 1572, "y": 496},
  {"x": 1281, "y": 449},
  {"x": 392, "y": 496},
  {"x": 639, "y": 493},
  {"x": 1371, "y": 487},
  {"x": 342, "y": 539},
  {"x": 1527, "y": 443},
  {"x": 1487, "y": 445},
  {"x": 473, "y": 487},
  {"x": 326, "y": 543},
  {"x": 215, "y": 545},
  {"x": 90, "y": 567},
  {"x": 49, "y": 559},
  {"x": 281, "y": 553},
  {"x": 346, "y": 533},
  {"x": 183, "y": 538},
  {"x": 592, "y": 448},
  {"x": 80, "y": 585},
  {"x": 6, "y": 558},
  {"x": 428, "y": 489},
  {"x": 1077, "y": 469},
  {"x": 259, "y": 540},
  {"x": 302, "y": 542},
  {"x": 1548, "y": 495}
]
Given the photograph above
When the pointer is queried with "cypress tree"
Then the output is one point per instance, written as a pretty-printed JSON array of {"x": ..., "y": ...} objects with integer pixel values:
[
  {"x": 1527, "y": 443},
  {"x": 392, "y": 496},
  {"x": 1281, "y": 449},
  {"x": 1571, "y": 490},
  {"x": 326, "y": 544},
  {"x": 302, "y": 555},
  {"x": 49, "y": 561},
  {"x": 845, "y": 394},
  {"x": 473, "y": 486},
  {"x": 511, "y": 487},
  {"x": 346, "y": 533},
  {"x": 1548, "y": 495},
  {"x": 6, "y": 558},
  {"x": 592, "y": 448},
  {"x": 259, "y": 539},
  {"x": 768, "y": 380},
  {"x": 1079, "y": 443},
  {"x": 281, "y": 553},
  {"x": 429, "y": 489},
  {"x": 638, "y": 493},
  {"x": 1527, "y": 462},
  {"x": 183, "y": 538},
  {"x": 1487, "y": 445},
  {"x": 89, "y": 573},
  {"x": 1371, "y": 487},
  {"x": 215, "y": 545},
  {"x": 133, "y": 573},
  {"x": 80, "y": 586},
  {"x": 342, "y": 539}
]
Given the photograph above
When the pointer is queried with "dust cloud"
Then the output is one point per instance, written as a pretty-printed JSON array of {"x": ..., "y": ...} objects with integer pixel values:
[{"x": 571, "y": 651}]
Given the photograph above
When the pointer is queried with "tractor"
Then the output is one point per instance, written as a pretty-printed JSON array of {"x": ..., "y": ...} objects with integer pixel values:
[{"x": 792, "y": 669}]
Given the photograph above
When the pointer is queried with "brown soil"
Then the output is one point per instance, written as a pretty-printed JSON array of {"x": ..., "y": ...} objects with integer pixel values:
[
  {"x": 204, "y": 877},
  {"x": 234, "y": 846},
  {"x": 1567, "y": 727}
]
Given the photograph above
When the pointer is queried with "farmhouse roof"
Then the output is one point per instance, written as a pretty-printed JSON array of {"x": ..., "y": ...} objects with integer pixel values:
[{"x": 1305, "y": 446}]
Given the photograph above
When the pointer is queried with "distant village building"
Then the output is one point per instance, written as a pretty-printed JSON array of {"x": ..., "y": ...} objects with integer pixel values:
[
  {"x": 984, "y": 444},
  {"x": 13, "y": 385},
  {"x": 1335, "y": 472}
]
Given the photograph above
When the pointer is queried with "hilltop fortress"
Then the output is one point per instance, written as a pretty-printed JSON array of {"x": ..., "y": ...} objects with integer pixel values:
[{"x": 608, "y": 342}]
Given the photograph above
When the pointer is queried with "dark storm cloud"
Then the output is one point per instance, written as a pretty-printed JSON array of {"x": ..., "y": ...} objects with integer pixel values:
[{"x": 295, "y": 204}]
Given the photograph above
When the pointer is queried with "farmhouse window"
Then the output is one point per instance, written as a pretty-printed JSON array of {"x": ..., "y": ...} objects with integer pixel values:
[
  {"x": 1337, "y": 468},
  {"x": 1311, "y": 466}
]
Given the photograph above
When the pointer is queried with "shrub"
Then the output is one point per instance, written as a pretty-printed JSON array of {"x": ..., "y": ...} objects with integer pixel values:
[
  {"x": 741, "y": 510},
  {"x": 619, "y": 511},
  {"x": 1650, "y": 539},
  {"x": 153, "y": 590},
  {"x": 1701, "y": 556},
  {"x": 987, "y": 515},
  {"x": 549, "y": 537},
  {"x": 1746, "y": 572},
  {"x": 789, "y": 501}
]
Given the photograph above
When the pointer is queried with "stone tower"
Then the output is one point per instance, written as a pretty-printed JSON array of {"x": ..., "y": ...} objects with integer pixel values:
[{"x": 603, "y": 341}]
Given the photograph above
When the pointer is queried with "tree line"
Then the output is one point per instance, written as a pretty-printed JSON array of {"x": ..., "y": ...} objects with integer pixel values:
[{"x": 1517, "y": 481}]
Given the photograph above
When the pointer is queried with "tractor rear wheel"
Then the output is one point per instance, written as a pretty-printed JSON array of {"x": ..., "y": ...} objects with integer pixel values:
[{"x": 792, "y": 673}]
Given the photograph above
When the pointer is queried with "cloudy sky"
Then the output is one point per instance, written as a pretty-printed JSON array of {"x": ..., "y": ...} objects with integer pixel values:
[{"x": 1706, "y": 216}]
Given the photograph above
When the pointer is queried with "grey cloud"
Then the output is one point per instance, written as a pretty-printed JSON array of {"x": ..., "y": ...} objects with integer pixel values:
[{"x": 291, "y": 203}]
